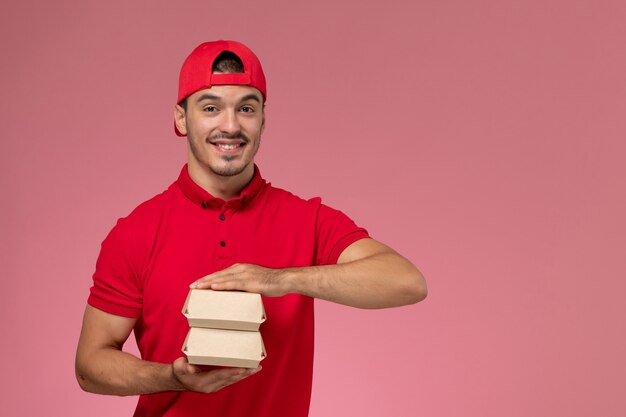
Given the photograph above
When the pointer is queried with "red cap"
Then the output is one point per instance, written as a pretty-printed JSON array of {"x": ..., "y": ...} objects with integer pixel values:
[{"x": 197, "y": 73}]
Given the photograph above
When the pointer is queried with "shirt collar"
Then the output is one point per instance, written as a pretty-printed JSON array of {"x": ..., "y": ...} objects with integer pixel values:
[{"x": 201, "y": 197}]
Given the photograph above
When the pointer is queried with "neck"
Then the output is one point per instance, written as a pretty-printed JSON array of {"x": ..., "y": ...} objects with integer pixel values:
[{"x": 224, "y": 187}]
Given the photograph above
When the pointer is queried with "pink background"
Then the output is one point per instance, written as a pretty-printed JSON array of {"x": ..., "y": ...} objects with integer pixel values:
[{"x": 484, "y": 140}]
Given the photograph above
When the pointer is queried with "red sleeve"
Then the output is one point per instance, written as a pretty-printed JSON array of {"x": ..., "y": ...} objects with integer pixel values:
[
  {"x": 334, "y": 232},
  {"x": 116, "y": 289}
]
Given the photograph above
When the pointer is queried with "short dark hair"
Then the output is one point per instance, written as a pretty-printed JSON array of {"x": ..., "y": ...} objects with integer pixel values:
[{"x": 227, "y": 63}]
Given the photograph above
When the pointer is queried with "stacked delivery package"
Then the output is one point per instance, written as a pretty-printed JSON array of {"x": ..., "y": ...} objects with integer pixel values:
[{"x": 224, "y": 328}]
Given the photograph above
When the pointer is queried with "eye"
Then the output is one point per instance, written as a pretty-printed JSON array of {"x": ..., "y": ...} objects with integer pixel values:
[
  {"x": 247, "y": 109},
  {"x": 210, "y": 109}
]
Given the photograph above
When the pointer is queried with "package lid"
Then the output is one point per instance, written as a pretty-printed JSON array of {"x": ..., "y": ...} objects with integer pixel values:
[
  {"x": 234, "y": 310},
  {"x": 224, "y": 347}
]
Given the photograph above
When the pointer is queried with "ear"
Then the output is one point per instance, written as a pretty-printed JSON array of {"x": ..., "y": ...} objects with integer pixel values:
[
  {"x": 263, "y": 122},
  {"x": 180, "y": 120}
]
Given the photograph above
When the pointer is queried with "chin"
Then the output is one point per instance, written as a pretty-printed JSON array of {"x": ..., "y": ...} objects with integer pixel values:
[{"x": 229, "y": 170}]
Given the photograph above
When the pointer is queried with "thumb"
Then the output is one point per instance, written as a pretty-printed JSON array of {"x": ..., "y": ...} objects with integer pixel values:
[{"x": 182, "y": 367}]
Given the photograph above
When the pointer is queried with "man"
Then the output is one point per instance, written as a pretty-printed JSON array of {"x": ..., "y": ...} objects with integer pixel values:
[{"x": 220, "y": 226}]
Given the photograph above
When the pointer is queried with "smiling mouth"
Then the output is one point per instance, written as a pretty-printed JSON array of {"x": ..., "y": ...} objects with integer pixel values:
[{"x": 229, "y": 146}]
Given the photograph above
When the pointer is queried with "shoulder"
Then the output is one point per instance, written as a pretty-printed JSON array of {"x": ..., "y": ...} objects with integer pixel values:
[
  {"x": 281, "y": 196},
  {"x": 332, "y": 230},
  {"x": 147, "y": 215},
  {"x": 130, "y": 240},
  {"x": 286, "y": 200}
]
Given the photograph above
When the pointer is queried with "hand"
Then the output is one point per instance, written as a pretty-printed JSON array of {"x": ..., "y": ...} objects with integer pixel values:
[
  {"x": 192, "y": 378},
  {"x": 246, "y": 277}
]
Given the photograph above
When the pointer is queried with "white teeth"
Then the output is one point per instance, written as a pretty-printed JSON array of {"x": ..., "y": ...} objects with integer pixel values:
[{"x": 227, "y": 147}]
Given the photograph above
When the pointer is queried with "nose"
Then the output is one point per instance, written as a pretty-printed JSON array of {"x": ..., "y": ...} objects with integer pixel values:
[{"x": 230, "y": 122}]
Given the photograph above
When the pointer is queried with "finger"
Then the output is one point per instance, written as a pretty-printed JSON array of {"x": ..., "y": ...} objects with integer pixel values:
[
  {"x": 234, "y": 378},
  {"x": 203, "y": 282},
  {"x": 226, "y": 373},
  {"x": 183, "y": 367},
  {"x": 246, "y": 373},
  {"x": 200, "y": 285},
  {"x": 234, "y": 281},
  {"x": 220, "y": 283},
  {"x": 179, "y": 365},
  {"x": 223, "y": 275},
  {"x": 232, "y": 285},
  {"x": 231, "y": 374},
  {"x": 215, "y": 380},
  {"x": 192, "y": 369}
]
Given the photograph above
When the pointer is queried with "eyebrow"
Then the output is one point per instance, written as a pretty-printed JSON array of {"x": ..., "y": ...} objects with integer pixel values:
[
  {"x": 251, "y": 97},
  {"x": 208, "y": 97},
  {"x": 247, "y": 97}
]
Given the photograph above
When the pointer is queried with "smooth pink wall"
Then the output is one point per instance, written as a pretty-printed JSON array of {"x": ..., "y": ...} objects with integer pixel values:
[{"x": 484, "y": 140}]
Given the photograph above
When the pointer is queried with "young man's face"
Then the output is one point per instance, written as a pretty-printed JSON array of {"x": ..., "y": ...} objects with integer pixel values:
[{"x": 223, "y": 126}]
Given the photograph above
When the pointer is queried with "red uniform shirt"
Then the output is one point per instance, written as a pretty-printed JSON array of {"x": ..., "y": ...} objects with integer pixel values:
[{"x": 150, "y": 257}]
